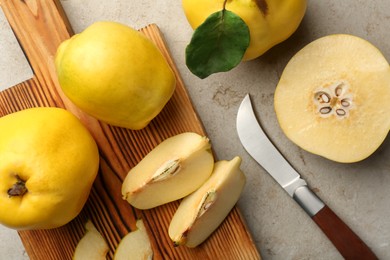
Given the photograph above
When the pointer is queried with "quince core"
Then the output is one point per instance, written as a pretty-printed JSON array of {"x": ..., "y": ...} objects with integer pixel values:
[{"x": 333, "y": 98}]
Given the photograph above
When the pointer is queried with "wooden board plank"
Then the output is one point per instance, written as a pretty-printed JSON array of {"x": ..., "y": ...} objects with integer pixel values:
[{"x": 40, "y": 26}]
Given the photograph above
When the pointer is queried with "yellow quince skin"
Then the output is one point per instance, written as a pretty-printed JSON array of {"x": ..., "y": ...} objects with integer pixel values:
[
  {"x": 270, "y": 21},
  {"x": 48, "y": 163},
  {"x": 115, "y": 74}
]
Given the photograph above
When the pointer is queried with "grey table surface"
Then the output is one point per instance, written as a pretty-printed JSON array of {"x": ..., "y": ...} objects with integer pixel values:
[{"x": 358, "y": 192}]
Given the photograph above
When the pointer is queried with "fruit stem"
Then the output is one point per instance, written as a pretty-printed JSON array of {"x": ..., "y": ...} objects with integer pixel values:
[
  {"x": 18, "y": 189},
  {"x": 224, "y": 5},
  {"x": 223, "y": 9}
]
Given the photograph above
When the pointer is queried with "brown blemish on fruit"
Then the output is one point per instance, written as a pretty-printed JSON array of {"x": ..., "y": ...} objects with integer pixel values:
[
  {"x": 182, "y": 240},
  {"x": 263, "y": 6}
]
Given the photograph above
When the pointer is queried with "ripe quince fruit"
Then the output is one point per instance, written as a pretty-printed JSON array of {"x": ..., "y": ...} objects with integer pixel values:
[
  {"x": 269, "y": 22},
  {"x": 48, "y": 163},
  {"x": 115, "y": 74}
]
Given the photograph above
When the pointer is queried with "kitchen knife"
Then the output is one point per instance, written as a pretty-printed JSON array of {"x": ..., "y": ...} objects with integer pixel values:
[
  {"x": 14, "y": 67},
  {"x": 257, "y": 144}
]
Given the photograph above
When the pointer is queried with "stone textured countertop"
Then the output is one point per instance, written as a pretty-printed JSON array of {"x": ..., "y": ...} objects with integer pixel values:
[{"x": 358, "y": 192}]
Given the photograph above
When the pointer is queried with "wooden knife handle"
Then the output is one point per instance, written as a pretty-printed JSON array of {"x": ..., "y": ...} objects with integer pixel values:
[{"x": 343, "y": 238}]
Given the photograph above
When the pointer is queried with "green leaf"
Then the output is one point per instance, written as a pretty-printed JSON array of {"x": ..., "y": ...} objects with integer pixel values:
[{"x": 218, "y": 44}]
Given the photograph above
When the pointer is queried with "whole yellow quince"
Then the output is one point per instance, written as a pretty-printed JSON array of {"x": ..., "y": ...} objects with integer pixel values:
[
  {"x": 48, "y": 163},
  {"x": 115, "y": 74},
  {"x": 269, "y": 21}
]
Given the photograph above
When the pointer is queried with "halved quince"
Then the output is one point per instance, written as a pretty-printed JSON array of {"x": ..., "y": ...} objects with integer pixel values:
[
  {"x": 92, "y": 245},
  {"x": 200, "y": 213},
  {"x": 172, "y": 170},
  {"x": 333, "y": 98},
  {"x": 135, "y": 245}
]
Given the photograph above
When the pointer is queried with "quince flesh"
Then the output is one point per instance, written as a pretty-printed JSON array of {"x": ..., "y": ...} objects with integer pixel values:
[
  {"x": 200, "y": 213},
  {"x": 135, "y": 245},
  {"x": 48, "y": 162},
  {"x": 333, "y": 98},
  {"x": 273, "y": 23},
  {"x": 172, "y": 170},
  {"x": 115, "y": 74},
  {"x": 92, "y": 245}
]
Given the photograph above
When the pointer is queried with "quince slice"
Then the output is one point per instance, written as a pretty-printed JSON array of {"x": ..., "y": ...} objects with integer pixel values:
[
  {"x": 333, "y": 98},
  {"x": 172, "y": 170},
  {"x": 200, "y": 213},
  {"x": 92, "y": 245},
  {"x": 135, "y": 245}
]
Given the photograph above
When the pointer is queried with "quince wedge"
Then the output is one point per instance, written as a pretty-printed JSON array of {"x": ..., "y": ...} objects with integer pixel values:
[
  {"x": 333, "y": 98},
  {"x": 135, "y": 245},
  {"x": 200, "y": 213},
  {"x": 92, "y": 245},
  {"x": 172, "y": 170}
]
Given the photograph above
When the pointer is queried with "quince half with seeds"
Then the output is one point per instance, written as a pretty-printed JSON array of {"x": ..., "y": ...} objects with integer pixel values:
[{"x": 333, "y": 98}]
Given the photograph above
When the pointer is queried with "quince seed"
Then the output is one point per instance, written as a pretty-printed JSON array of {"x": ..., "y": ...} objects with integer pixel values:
[
  {"x": 341, "y": 112},
  {"x": 325, "y": 110},
  {"x": 345, "y": 102},
  {"x": 167, "y": 170},
  {"x": 336, "y": 99},
  {"x": 339, "y": 90},
  {"x": 322, "y": 97},
  {"x": 207, "y": 201}
]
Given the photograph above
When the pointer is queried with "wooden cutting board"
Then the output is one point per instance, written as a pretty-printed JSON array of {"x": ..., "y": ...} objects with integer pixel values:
[{"x": 40, "y": 26}]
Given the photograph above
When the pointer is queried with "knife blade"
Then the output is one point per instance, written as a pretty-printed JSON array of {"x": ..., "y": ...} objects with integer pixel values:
[
  {"x": 258, "y": 145},
  {"x": 14, "y": 66}
]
